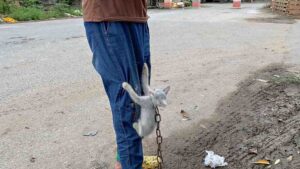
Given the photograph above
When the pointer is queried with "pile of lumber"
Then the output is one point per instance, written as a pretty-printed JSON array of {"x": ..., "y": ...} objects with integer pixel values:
[{"x": 289, "y": 7}]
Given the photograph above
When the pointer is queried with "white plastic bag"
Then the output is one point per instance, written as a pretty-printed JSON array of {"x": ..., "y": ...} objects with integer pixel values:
[{"x": 213, "y": 160}]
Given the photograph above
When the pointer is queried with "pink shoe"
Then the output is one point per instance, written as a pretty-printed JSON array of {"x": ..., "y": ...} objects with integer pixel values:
[{"x": 118, "y": 165}]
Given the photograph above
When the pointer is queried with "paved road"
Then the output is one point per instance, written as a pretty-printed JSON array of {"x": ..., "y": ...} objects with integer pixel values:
[{"x": 50, "y": 95}]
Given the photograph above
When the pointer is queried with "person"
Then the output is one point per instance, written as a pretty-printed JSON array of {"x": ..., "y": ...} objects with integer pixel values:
[{"x": 118, "y": 36}]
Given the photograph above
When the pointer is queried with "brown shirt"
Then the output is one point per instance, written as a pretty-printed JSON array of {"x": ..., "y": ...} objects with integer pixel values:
[{"x": 115, "y": 10}]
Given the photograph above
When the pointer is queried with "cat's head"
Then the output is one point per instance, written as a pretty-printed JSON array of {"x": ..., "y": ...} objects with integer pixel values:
[{"x": 159, "y": 96}]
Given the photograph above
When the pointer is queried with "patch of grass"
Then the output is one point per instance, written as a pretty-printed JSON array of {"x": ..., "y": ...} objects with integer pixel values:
[
  {"x": 32, "y": 10},
  {"x": 187, "y": 3},
  {"x": 63, "y": 9},
  {"x": 4, "y": 7},
  {"x": 287, "y": 79},
  {"x": 29, "y": 3},
  {"x": 28, "y": 13}
]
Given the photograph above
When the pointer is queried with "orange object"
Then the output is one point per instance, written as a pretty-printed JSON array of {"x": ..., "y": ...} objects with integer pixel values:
[
  {"x": 9, "y": 20},
  {"x": 196, "y": 3},
  {"x": 236, "y": 4},
  {"x": 262, "y": 162},
  {"x": 168, "y": 4}
]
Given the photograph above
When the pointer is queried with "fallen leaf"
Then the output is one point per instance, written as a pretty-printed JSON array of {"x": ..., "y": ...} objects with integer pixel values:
[
  {"x": 290, "y": 158},
  {"x": 91, "y": 133},
  {"x": 262, "y": 162},
  {"x": 185, "y": 115},
  {"x": 277, "y": 162}
]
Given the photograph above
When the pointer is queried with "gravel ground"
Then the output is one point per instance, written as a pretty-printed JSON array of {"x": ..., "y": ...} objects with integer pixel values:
[{"x": 50, "y": 95}]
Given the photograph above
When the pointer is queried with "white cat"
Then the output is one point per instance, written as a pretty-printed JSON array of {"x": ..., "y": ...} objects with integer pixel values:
[{"x": 152, "y": 99}]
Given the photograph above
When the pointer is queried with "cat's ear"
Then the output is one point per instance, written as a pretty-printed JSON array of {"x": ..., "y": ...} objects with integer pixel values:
[{"x": 167, "y": 89}]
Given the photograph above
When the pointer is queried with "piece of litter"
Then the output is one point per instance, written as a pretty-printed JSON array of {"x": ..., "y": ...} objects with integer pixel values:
[
  {"x": 253, "y": 151},
  {"x": 262, "y": 80},
  {"x": 165, "y": 81},
  {"x": 276, "y": 76},
  {"x": 185, "y": 115},
  {"x": 150, "y": 162},
  {"x": 91, "y": 133},
  {"x": 277, "y": 162},
  {"x": 9, "y": 20},
  {"x": 290, "y": 158},
  {"x": 262, "y": 162},
  {"x": 213, "y": 160}
]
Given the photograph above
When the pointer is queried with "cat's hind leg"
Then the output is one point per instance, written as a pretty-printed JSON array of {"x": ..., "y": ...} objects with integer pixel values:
[
  {"x": 140, "y": 132},
  {"x": 138, "y": 128}
]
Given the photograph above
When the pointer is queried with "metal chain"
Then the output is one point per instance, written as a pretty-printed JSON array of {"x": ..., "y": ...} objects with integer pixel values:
[{"x": 159, "y": 139}]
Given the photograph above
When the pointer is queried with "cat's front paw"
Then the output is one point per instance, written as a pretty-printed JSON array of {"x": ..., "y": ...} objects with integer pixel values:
[{"x": 125, "y": 85}]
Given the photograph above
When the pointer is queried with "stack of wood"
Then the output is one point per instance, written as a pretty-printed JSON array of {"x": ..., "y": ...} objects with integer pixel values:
[{"x": 289, "y": 7}]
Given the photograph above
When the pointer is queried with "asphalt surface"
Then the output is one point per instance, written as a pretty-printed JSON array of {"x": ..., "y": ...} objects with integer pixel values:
[{"x": 50, "y": 95}]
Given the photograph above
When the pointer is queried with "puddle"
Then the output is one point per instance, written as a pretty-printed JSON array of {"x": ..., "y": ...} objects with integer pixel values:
[{"x": 278, "y": 20}]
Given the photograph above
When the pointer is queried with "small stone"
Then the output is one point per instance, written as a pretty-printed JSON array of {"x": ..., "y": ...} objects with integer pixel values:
[
  {"x": 32, "y": 159},
  {"x": 277, "y": 162},
  {"x": 262, "y": 80},
  {"x": 253, "y": 151},
  {"x": 290, "y": 158}
]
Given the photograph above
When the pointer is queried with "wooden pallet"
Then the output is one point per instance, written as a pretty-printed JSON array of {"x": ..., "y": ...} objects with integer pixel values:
[{"x": 290, "y": 7}]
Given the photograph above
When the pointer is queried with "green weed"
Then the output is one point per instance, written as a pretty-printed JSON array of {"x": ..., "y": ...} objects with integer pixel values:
[
  {"x": 28, "y": 13},
  {"x": 33, "y": 10},
  {"x": 287, "y": 79}
]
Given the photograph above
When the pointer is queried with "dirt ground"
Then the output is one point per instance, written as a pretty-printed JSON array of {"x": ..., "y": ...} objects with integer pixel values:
[{"x": 263, "y": 115}]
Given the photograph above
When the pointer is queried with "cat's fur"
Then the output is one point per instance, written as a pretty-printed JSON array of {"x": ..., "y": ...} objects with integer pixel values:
[{"x": 152, "y": 98}]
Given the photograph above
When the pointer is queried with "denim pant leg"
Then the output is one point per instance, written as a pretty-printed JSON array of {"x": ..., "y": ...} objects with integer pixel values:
[{"x": 119, "y": 51}]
